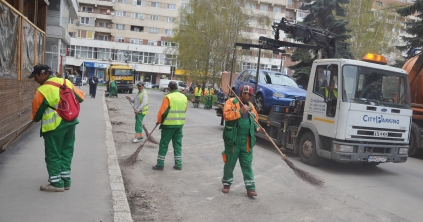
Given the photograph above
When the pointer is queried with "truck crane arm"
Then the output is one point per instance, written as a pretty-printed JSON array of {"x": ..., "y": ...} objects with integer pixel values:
[{"x": 322, "y": 38}]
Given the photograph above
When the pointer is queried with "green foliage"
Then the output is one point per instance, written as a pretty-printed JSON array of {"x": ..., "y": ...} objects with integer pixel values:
[{"x": 414, "y": 28}]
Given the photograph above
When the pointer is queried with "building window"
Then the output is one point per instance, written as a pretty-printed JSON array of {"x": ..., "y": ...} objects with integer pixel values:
[
  {"x": 137, "y": 28},
  {"x": 120, "y": 13},
  {"x": 154, "y": 17},
  {"x": 289, "y": 2},
  {"x": 138, "y": 2},
  {"x": 262, "y": 31},
  {"x": 171, "y": 6},
  {"x": 153, "y": 30},
  {"x": 151, "y": 42},
  {"x": 135, "y": 41},
  {"x": 276, "y": 20},
  {"x": 379, "y": 4},
  {"x": 165, "y": 43},
  {"x": 168, "y": 31},
  {"x": 302, "y": 4},
  {"x": 103, "y": 53},
  {"x": 120, "y": 26},
  {"x": 155, "y": 4},
  {"x": 287, "y": 13},
  {"x": 119, "y": 39},
  {"x": 264, "y": 7},
  {"x": 103, "y": 24},
  {"x": 85, "y": 34},
  {"x": 86, "y": 9},
  {"x": 277, "y": 10},
  {"x": 123, "y": 1},
  {"x": 70, "y": 21},
  {"x": 169, "y": 19},
  {"x": 248, "y": 65},
  {"x": 103, "y": 37},
  {"x": 84, "y": 20},
  {"x": 137, "y": 15},
  {"x": 250, "y": 6},
  {"x": 301, "y": 14}
]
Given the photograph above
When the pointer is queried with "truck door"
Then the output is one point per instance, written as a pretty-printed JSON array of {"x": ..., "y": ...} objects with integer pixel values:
[{"x": 322, "y": 98}]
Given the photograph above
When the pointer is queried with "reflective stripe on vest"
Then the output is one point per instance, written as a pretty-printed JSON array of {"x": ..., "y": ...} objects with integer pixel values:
[
  {"x": 144, "y": 110},
  {"x": 178, "y": 106},
  {"x": 51, "y": 120},
  {"x": 335, "y": 92},
  {"x": 198, "y": 92}
]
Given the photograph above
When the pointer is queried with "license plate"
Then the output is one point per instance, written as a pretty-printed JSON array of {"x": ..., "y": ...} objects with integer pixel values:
[{"x": 376, "y": 159}]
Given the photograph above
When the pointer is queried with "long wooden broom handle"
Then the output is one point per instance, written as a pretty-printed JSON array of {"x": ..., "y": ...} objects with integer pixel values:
[
  {"x": 265, "y": 133},
  {"x": 15, "y": 137}
]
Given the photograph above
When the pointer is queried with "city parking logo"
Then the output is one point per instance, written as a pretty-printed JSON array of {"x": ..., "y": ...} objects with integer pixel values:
[{"x": 380, "y": 119}]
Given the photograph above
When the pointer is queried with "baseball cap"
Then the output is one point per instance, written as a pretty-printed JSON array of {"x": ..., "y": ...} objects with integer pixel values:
[
  {"x": 39, "y": 69},
  {"x": 247, "y": 89},
  {"x": 140, "y": 84}
]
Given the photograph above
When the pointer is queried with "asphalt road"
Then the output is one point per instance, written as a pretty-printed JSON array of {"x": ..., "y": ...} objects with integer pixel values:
[{"x": 352, "y": 192}]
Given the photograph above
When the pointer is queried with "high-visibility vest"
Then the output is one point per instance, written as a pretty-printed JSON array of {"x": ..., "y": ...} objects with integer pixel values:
[
  {"x": 335, "y": 92},
  {"x": 198, "y": 91},
  {"x": 51, "y": 119},
  {"x": 178, "y": 108},
  {"x": 144, "y": 110}
]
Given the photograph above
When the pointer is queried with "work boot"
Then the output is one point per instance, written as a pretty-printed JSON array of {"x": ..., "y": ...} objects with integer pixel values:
[
  {"x": 251, "y": 193},
  {"x": 50, "y": 188},
  {"x": 161, "y": 168},
  {"x": 177, "y": 167},
  {"x": 226, "y": 188}
]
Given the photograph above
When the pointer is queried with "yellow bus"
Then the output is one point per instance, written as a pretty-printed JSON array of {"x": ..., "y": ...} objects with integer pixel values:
[{"x": 122, "y": 75}]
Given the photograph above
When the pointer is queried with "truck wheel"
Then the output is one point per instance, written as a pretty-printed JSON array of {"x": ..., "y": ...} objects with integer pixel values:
[
  {"x": 307, "y": 149},
  {"x": 259, "y": 103},
  {"x": 413, "y": 149},
  {"x": 130, "y": 91},
  {"x": 165, "y": 90}
]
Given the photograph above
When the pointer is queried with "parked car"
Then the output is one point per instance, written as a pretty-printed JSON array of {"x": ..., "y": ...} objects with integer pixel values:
[
  {"x": 155, "y": 86},
  {"x": 147, "y": 85},
  {"x": 274, "y": 88},
  {"x": 164, "y": 83}
]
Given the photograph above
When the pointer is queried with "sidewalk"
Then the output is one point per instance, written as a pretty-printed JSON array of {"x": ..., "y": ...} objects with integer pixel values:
[{"x": 23, "y": 171}]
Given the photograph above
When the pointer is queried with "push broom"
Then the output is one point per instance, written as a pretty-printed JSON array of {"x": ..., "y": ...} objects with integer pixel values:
[
  {"x": 302, "y": 174},
  {"x": 133, "y": 158}
]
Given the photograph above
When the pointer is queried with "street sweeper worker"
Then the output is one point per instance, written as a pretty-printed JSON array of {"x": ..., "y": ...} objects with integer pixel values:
[
  {"x": 171, "y": 116},
  {"x": 239, "y": 139},
  {"x": 208, "y": 93},
  {"x": 198, "y": 91},
  {"x": 59, "y": 135},
  {"x": 140, "y": 102}
]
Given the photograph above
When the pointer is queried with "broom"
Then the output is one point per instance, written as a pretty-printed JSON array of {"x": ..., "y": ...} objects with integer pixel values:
[
  {"x": 133, "y": 158},
  {"x": 302, "y": 174},
  {"x": 151, "y": 139},
  {"x": 15, "y": 137}
]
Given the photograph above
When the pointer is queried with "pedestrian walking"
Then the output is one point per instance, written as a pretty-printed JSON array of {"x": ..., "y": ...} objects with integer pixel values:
[
  {"x": 171, "y": 116},
  {"x": 140, "y": 106},
  {"x": 239, "y": 140},
  {"x": 93, "y": 85},
  {"x": 113, "y": 88},
  {"x": 90, "y": 83},
  {"x": 58, "y": 134}
]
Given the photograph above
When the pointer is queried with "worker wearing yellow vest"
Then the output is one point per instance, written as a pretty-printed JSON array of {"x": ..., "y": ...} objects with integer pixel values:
[
  {"x": 59, "y": 135},
  {"x": 140, "y": 106},
  {"x": 171, "y": 116},
  {"x": 208, "y": 93},
  {"x": 198, "y": 91},
  {"x": 330, "y": 91}
]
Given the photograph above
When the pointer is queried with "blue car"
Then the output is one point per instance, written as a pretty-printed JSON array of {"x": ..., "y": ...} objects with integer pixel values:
[{"x": 274, "y": 88}]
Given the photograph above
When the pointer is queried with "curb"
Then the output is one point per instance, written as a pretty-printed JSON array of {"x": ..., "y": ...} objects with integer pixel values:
[{"x": 121, "y": 210}]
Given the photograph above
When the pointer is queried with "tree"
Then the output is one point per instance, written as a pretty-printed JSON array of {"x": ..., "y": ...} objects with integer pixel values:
[
  {"x": 324, "y": 14},
  {"x": 414, "y": 28},
  {"x": 373, "y": 29}
]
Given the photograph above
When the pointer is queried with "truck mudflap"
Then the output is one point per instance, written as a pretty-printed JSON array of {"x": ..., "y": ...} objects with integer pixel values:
[{"x": 379, "y": 153}]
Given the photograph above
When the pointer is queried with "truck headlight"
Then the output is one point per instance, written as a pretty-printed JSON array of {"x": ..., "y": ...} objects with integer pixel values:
[
  {"x": 403, "y": 151},
  {"x": 278, "y": 95},
  {"x": 344, "y": 148}
]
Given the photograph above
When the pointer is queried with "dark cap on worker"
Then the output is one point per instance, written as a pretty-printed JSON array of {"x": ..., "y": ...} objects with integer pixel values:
[
  {"x": 140, "y": 84},
  {"x": 39, "y": 69}
]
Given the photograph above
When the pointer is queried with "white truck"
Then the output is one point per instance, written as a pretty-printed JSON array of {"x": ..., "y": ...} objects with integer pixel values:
[{"x": 164, "y": 83}]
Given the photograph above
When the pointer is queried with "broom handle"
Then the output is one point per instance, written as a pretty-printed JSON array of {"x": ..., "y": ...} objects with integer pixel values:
[
  {"x": 134, "y": 110},
  {"x": 15, "y": 137},
  {"x": 265, "y": 133}
]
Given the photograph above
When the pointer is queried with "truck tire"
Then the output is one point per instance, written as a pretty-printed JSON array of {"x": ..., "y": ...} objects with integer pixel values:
[
  {"x": 130, "y": 91},
  {"x": 307, "y": 149},
  {"x": 165, "y": 90},
  {"x": 413, "y": 150}
]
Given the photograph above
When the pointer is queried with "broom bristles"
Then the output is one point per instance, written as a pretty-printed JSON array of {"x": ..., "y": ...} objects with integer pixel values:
[
  {"x": 150, "y": 138},
  {"x": 304, "y": 175},
  {"x": 133, "y": 158}
]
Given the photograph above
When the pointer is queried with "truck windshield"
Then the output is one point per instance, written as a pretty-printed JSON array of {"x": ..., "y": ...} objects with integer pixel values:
[
  {"x": 122, "y": 72},
  {"x": 375, "y": 87},
  {"x": 276, "y": 78}
]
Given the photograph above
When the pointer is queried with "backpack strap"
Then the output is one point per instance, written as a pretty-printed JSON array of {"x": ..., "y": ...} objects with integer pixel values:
[{"x": 53, "y": 84}]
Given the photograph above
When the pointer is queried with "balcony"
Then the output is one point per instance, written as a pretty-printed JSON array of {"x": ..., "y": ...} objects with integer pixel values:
[
  {"x": 104, "y": 16},
  {"x": 103, "y": 29},
  {"x": 110, "y": 3}
]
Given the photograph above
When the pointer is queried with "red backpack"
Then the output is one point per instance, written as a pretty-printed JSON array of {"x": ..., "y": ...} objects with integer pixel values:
[{"x": 68, "y": 107}]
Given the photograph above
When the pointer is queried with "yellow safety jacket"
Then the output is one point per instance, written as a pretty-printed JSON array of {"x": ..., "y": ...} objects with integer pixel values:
[
  {"x": 198, "y": 91},
  {"x": 51, "y": 119},
  {"x": 177, "y": 109},
  {"x": 335, "y": 93},
  {"x": 144, "y": 110}
]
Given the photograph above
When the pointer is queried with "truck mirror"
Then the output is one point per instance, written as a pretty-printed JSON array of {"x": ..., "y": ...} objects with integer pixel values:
[{"x": 252, "y": 81}]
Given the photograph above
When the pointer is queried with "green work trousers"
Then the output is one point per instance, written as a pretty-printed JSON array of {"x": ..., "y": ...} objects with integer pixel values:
[
  {"x": 230, "y": 157},
  {"x": 168, "y": 134},
  {"x": 113, "y": 91},
  {"x": 59, "y": 145},
  {"x": 138, "y": 123},
  {"x": 208, "y": 103}
]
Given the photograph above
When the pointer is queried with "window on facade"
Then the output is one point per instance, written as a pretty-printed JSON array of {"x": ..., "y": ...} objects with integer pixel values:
[
  {"x": 151, "y": 42},
  {"x": 276, "y": 20},
  {"x": 137, "y": 15},
  {"x": 153, "y": 30},
  {"x": 84, "y": 52},
  {"x": 262, "y": 31},
  {"x": 136, "y": 56},
  {"x": 277, "y": 10},
  {"x": 287, "y": 13},
  {"x": 103, "y": 24},
  {"x": 138, "y": 2},
  {"x": 103, "y": 37},
  {"x": 154, "y": 17},
  {"x": 123, "y": 1},
  {"x": 137, "y": 28},
  {"x": 155, "y": 4},
  {"x": 85, "y": 34},
  {"x": 250, "y": 6},
  {"x": 86, "y": 9},
  {"x": 120, "y": 26},
  {"x": 301, "y": 14},
  {"x": 149, "y": 57},
  {"x": 379, "y": 4},
  {"x": 160, "y": 59},
  {"x": 119, "y": 55},
  {"x": 169, "y": 19},
  {"x": 135, "y": 41},
  {"x": 168, "y": 31},
  {"x": 264, "y": 7},
  {"x": 171, "y": 6},
  {"x": 303, "y": 3},
  {"x": 166, "y": 43},
  {"x": 84, "y": 20},
  {"x": 72, "y": 34},
  {"x": 103, "y": 53},
  {"x": 289, "y": 2},
  {"x": 120, "y": 13},
  {"x": 248, "y": 65},
  {"x": 119, "y": 39},
  {"x": 70, "y": 21}
]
